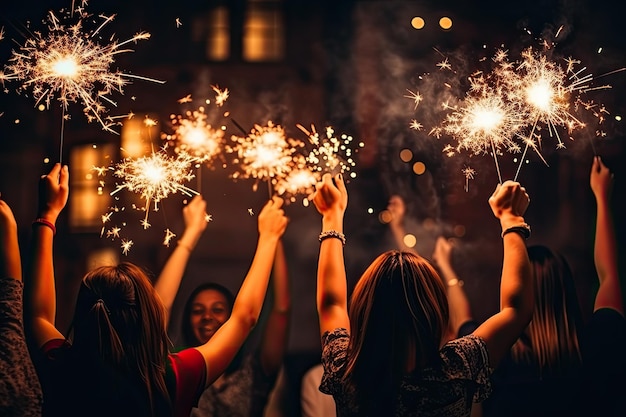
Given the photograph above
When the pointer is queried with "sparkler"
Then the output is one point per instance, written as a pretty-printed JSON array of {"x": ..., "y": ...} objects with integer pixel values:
[
  {"x": 70, "y": 64},
  {"x": 545, "y": 93},
  {"x": 155, "y": 177},
  {"x": 483, "y": 123},
  {"x": 301, "y": 180},
  {"x": 507, "y": 106},
  {"x": 264, "y": 154},
  {"x": 330, "y": 153},
  {"x": 194, "y": 135}
]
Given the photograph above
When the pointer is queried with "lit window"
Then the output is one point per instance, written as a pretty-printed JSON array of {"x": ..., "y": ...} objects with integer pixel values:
[
  {"x": 264, "y": 31},
  {"x": 218, "y": 42},
  {"x": 89, "y": 200}
]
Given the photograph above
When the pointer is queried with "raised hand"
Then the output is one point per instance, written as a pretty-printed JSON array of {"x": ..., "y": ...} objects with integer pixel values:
[
  {"x": 272, "y": 219},
  {"x": 194, "y": 215},
  {"x": 330, "y": 196},
  {"x": 53, "y": 192},
  {"x": 600, "y": 179},
  {"x": 509, "y": 202}
]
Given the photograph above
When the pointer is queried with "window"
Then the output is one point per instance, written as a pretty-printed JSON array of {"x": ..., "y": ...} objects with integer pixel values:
[
  {"x": 264, "y": 31},
  {"x": 89, "y": 200}
]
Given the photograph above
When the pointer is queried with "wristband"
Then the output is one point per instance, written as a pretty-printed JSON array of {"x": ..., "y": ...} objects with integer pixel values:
[
  {"x": 522, "y": 229},
  {"x": 455, "y": 281},
  {"x": 44, "y": 222},
  {"x": 333, "y": 234}
]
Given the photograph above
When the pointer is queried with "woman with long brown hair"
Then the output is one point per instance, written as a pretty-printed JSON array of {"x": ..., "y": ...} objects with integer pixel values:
[
  {"x": 116, "y": 360},
  {"x": 561, "y": 365},
  {"x": 386, "y": 353}
]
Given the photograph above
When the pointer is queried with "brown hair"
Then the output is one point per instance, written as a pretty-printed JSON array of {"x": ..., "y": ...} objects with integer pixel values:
[
  {"x": 398, "y": 313},
  {"x": 551, "y": 338},
  {"x": 119, "y": 323}
]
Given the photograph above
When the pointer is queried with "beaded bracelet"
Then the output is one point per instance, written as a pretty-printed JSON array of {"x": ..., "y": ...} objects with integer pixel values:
[
  {"x": 522, "y": 229},
  {"x": 44, "y": 222},
  {"x": 333, "y": 234}
]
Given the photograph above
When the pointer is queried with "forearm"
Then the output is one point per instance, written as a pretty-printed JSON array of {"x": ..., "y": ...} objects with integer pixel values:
[
  {"x": 605, "y": 255},
  {"x": 331, "y": 273},
  {"x": 251, "y": 295},
  {"x": 516, "y": 291},
  {"x": 171, "y": 275},
  {"x": 40, "y": 287},
  {"x": 10, "y": 261},
  {"x": 274, "y": 340},
  {"x": 460, "y": 309},
  {"x": 280, "y": 281},
  {"x": 605, "y": 258}
]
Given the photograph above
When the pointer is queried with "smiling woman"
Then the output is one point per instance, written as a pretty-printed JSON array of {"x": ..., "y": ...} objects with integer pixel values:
[{"x": 207, "y": 308}]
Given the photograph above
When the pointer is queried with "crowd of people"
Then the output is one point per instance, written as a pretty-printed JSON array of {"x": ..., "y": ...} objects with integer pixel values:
[{"x": 402, "y": 342}]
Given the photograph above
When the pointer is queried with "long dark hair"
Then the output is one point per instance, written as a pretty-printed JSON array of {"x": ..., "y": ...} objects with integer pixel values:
[
  {"x": 551, "y": 339},
  {"x": 119, "y": 325},
  {"x": 398, "y": 312}
]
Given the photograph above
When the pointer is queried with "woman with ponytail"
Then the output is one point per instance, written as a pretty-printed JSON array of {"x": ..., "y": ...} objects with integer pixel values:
[{"x": 115, "y": 360}]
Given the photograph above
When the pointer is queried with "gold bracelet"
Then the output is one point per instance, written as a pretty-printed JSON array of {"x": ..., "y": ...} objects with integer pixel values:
[{"x": 455, "y": 281}]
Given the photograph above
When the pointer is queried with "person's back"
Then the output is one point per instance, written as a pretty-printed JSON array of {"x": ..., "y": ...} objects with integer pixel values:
[
  {"x": 383, "y": 354},
  {"x": 461, "y": 377},
  {"x": 562, "y": 366},
  {"x": 74, "y": 388}
]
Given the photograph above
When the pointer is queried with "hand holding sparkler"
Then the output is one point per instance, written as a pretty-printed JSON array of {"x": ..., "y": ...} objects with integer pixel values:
[
  {"x": 509, "y": 202},
  {"x": 331, "y": 199},
  {"x": 601, "y": 180},
  {"x": 272, "y": 219},
  {"x": 53, "y": 193},
  {"x": 195, "y": 217}
]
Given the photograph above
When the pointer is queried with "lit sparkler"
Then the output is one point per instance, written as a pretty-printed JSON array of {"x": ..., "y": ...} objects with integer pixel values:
[
  {"x": 70, "y": 64},
  {"x": 545, "y": 93},
  {"x": 484, "y": 123},
  {"x": 301, "y": 180},
  {"x": 194, "y": 135},
  {"x": 264, "y": 154},
  {"x": 330, "y": 153},
  {"x": 509, "y": 105},
  {"x": 155, "y": 177}
]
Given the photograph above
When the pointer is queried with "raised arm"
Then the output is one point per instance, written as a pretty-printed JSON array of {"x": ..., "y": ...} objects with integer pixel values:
[
  {"x": 168, "y": 282},
  {"x": 20, "y": 391},
  {"x": 220, "y": 350},
  {"x": 10, "y": 261},
  {"x": 274, "y": 341},
  {"x": 460, "y": 309},
  {"x": 40, "y": 290},
  {"x": 508, "y": 203},
  {"x": 397, "y": 209},
  {"x": 605, "y": 251},
  {"x": 331, "y": 199}
]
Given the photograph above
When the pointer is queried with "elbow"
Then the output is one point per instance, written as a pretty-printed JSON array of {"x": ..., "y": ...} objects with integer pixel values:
[{"x": 247, "y": 319}]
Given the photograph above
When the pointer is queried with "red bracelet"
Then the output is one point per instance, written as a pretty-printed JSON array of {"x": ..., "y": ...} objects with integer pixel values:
[{"x": 44, "y": 222}]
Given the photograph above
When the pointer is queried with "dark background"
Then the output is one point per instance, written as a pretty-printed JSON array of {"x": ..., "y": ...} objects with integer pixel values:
[{"x": 348, "y": 64}]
